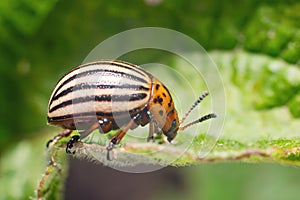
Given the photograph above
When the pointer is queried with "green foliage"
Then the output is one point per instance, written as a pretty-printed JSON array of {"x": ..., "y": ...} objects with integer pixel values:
[
  {"x": 272, "y": 83},
  {"x": 51, "y": 184},
  {"x": 22, "y": 167},
  {"x": 20, "y": 94},
  {"x": 294, "y": 105},
  {"x": 41, "y": 40}
]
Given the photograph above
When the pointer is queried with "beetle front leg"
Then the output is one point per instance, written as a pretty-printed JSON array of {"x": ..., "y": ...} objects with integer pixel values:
[
  {"x": 71, "y": 143},
  {"x": 154, "y": 129},
  {"x": 81, "y": 135}
]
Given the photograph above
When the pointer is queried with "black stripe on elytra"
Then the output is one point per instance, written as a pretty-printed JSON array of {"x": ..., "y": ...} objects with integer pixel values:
[
  {"x": 124, "y": 65},
  {"x": 113, "y": 98},
  {"x": 85, "y": 86},
  {"x": 121, "y": 64},
  {"x": 96, "y": 71},
  {"x": 117, "y": 63},
  {"x": 91, "y": 114}
]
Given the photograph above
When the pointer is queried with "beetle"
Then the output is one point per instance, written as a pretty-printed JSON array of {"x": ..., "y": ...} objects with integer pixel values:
[{"x": 114, "y": 95}]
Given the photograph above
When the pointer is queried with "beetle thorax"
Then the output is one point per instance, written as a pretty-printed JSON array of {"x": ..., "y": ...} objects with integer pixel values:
[{"x": 161, "y": 106}]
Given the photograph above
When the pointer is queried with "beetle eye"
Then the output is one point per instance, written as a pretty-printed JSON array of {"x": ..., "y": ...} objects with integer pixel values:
[{"x": 174, "y": 123}]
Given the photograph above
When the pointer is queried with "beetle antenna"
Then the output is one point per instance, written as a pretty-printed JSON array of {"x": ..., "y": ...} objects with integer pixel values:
[
  {"x": 200, "y": 98},
  {"x": 204, "y": 118}
]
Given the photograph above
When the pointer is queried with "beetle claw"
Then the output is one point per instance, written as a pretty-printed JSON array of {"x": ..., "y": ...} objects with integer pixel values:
[
  {"x": 48, "y": 143},
  {"x": 109, "y": 148},
  {"x": 54, "y": 140},
  {"x": 70, "y": 144},
  {"x": 150, "y": 139}
]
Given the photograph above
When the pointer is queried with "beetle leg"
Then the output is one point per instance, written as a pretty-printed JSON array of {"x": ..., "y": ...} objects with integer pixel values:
[
  {"x": 65, "y": 133},
  {"x": 151, "y": 131},
  {"x": 159, "y": 134},
  {"x": 116, "y": 139},
  {"x": 89, "y": 130},
  {"x": 70, "y": 144},
  {"x": 83, "y": 134}
]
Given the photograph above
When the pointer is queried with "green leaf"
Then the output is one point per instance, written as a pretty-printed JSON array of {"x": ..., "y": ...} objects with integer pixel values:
[{"x": 27, "y": 171}]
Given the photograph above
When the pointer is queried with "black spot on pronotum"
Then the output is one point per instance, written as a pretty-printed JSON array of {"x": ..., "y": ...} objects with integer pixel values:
[
  {"x": 161, "y": 112},
  {"x": 170, "y": 102},
  {"x": 159, "y": 99},
  {"x": 157, "y": 86}
]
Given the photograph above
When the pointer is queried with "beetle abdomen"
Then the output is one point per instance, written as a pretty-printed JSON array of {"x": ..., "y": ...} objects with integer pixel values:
[{"x": 104, "y": 88}]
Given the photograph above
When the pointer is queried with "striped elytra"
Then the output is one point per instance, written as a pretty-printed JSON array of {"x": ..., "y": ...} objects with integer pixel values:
[{"x": 114, "y": 95}]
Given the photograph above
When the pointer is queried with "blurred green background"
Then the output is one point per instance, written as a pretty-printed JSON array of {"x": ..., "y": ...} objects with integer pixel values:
[{"x": 42, "y": 40}]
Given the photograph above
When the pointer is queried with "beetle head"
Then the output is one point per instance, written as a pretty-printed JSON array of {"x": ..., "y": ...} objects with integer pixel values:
[{"x": 171, "y": 125}]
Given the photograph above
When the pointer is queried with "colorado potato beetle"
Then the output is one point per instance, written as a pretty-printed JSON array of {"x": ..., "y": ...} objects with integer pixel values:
[{"x": 114, "y": 95}]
